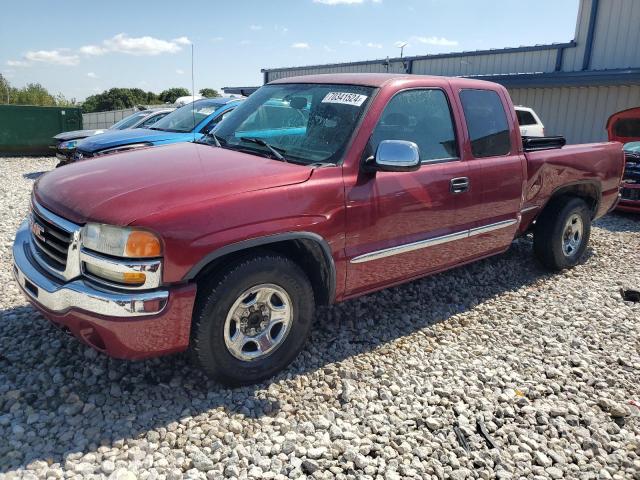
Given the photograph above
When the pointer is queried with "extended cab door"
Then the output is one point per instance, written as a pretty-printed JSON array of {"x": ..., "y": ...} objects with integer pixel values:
[
  {"x": 401, "y": 225},
  {"x": 497, "y": 169}
]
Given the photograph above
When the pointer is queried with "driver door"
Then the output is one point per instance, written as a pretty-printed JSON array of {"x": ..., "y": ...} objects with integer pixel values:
[{"x": 401, "y": 225}]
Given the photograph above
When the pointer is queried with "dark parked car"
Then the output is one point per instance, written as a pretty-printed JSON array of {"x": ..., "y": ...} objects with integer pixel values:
[{"x": 65, "y": 142}]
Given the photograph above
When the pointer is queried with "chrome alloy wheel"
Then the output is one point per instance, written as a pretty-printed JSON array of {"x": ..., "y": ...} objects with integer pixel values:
[
  {"x": 258, "y": 322},
  {"x": 572, "y": 235}
]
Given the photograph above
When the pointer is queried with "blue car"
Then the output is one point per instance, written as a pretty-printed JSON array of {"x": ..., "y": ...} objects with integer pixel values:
[{"x": 185, "y": 124}]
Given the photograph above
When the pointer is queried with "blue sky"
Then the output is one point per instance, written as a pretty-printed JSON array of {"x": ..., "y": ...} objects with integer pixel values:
[{"x": 79, "y": 48}]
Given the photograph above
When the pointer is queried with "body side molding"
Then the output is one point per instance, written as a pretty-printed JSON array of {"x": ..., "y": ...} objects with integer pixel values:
[{"x": 430, "y": 242}]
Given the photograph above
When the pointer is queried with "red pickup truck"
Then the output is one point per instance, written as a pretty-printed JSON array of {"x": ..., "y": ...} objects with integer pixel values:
[{"x": 364, "y": 181}]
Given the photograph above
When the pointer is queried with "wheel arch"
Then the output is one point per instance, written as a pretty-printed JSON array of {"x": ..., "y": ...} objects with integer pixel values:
[
  {"x": 309, "y": 250},
  {"x": 587, "y": 190}
]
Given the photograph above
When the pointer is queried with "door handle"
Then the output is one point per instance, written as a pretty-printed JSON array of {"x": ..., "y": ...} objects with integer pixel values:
[{"x": 459, "y": 185}]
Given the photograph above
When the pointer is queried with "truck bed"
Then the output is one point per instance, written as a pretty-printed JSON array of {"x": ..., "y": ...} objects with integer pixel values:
[{"x": 595, "y": 165}]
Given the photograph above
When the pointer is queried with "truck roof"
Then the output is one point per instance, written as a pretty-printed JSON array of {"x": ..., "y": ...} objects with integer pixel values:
[{"x": 380, "y": 79}]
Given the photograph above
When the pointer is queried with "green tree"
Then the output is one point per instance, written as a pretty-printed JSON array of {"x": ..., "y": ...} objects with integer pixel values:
[
  {"x": 5, "y": 90},
  {"x": 170, "y": 95},
  {"x": 33, "y": 94},
  {"x": 209, "y": 93}
]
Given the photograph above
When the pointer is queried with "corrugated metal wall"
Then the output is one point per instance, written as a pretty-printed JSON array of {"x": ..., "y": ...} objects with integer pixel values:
[
  {"x": 616, "y": 40},
  {"x": 518, "y": 62},
  {"x": 617, "y": 35},
  {"x": 578, "y": 113},
  {"x": 105, "y": 119}
]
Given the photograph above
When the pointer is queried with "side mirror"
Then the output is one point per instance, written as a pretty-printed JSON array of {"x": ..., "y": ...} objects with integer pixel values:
[{"x": 396, "y": 156}]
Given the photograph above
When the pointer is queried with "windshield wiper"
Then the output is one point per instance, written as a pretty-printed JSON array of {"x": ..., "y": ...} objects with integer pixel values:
[
  {"x": 212, "y": 135},
  {"x": 273, "y": 150}
]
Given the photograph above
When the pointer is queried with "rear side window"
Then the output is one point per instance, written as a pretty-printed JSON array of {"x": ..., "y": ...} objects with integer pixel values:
[
  {"x": 627, "y": 127},
  {"x": 486, "y": 122},
  {"x": 525, "y": 118},
  {"x": 422, "y": 117}
]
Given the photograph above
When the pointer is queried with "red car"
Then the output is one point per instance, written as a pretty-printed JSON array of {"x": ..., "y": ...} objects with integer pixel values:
[
  {"x": 364, "y": 181},
  {"x": 624, "y": 127}
]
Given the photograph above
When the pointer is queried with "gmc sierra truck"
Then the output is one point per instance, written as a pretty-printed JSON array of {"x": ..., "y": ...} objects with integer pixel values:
[{"x": 224, "y": 246}]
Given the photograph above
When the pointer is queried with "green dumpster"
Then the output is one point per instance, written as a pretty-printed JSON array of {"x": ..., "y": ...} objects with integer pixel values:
[{"x": 28, "y": 130}]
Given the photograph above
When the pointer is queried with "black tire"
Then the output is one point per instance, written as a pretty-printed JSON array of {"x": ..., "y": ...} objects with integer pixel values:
[
  {"x": 216, "y": 298},
  {"x": 550, "y": 231}
]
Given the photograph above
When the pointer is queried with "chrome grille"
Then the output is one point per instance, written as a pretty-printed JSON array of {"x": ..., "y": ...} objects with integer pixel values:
[
  {"x": 53, "y": 240},
  {"x": 631, "y": 194}
]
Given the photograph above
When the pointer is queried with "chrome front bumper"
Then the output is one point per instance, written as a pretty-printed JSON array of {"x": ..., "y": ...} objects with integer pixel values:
[{"x": 58, "y": 297}]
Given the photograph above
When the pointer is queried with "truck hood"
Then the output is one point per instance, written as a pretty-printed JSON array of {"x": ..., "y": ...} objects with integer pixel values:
[
  {"x": 118, "y": 189},
  {"x": 117, "y": 138},
  {"x": 74, "y": 134}
]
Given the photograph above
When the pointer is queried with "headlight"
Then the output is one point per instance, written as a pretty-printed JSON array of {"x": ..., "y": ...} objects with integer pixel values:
[
  {"x": 70, "y": 145},
  {"x": 120, "y": 241}
]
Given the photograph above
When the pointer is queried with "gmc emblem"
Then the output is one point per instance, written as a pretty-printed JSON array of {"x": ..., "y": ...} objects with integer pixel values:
[{"x": 38, "y": 231}]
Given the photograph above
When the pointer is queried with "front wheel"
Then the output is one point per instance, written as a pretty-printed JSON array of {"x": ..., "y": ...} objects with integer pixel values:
[
  {"x": 562, "y": 233},
  {"x": 252, "y": 321}
]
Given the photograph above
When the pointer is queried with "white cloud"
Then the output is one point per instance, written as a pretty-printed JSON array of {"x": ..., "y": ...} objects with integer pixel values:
[
  {"x": 92, "y": 75},
  {"x": 281, "y": 29},
  {"x": 122, "y": 43},
  {"x": 217, "y": 39},
  {"x": 182, "y": 41},
  {"x": 301, "y": 45},
  {"x": 245, "y": 42},
  {"x": 353, "y": 43},
  {"x": 374, "y": 45},
  {"x": 439, "y": 41},
  {"x": 327, "y": 48},
  {"x": 179, "y": 71},
  {"x": 17, "y": 63},
  {"x": 255, "y": 27},
  {"x": 53, "y": 57},
  {"x": 344, "y": 2},
  {"x": 93, "y": 50}
]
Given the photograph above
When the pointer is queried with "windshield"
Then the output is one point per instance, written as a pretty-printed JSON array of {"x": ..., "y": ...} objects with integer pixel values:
[
  {"x": 306, "y": 123},
  {"x": 184, "y": 119},
  {"x": 129, "y": 121}
]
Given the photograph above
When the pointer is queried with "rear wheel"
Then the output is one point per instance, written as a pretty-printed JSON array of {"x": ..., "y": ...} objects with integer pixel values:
[
  {"x": 252, "y": 321},
  {"x": 562, "y": 233}
]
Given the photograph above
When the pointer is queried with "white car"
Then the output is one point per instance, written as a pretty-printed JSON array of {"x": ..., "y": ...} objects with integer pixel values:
[{"x": 530, "y": 123}]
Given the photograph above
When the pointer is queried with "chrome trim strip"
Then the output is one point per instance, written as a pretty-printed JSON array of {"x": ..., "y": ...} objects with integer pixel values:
[
  {"x": 410, "y": 247},
  {"x": 55, "y": 219},
  {"x": 59, "y": 297},
  {"x": 529, "y": 209},
  {"x": 492, "y": 227},
  {"x": 151, "y": 268},
  {"x": 430, "y": 242}
]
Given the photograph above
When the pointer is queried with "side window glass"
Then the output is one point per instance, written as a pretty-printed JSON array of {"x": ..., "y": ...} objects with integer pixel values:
[
  {"x": 419, "y": 116},
  {"x": 152, "y": 120},
  {"x": 216, "y": 121},
  {"x": 525, "y": 118},
  {"x": 486, "y": 122}
]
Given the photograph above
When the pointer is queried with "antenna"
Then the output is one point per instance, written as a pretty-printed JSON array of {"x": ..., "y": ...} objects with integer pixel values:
[{"x": 193, "y": 96}]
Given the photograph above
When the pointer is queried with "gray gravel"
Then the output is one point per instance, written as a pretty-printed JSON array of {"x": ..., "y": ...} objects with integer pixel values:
[{"x": 546, "y": 363}]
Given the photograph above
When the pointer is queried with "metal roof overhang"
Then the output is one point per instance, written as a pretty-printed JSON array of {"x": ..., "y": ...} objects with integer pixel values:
[
  {"x": 629, "y": 76},
  {"x": 244, "y": 91}
]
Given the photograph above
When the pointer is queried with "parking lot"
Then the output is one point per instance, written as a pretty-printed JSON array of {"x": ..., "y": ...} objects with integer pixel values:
[{"x": 398, "y": 384}]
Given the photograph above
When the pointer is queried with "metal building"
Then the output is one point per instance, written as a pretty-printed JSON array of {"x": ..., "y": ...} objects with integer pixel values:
[{"x": 573, "y": 86}]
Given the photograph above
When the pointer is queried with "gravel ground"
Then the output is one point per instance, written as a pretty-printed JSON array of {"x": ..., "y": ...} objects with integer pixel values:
[{"x": 546, "y": 363}]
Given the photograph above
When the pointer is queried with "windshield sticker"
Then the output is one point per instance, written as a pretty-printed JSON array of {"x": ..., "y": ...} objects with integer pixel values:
[{"x": 354, "y": 99}]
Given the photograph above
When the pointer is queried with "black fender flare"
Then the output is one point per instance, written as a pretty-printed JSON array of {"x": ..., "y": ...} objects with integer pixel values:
[{"x": 265, "y": 241}]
